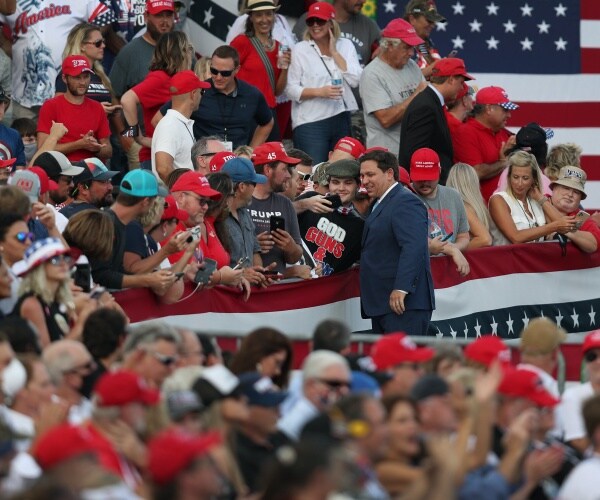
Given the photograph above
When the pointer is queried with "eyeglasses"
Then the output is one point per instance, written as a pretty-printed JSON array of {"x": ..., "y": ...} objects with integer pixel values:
[
  {"x": 22, "y": 237},
  {"x": 163, "y": 359},
  {"x": 304, "y": 177},
  {"x": 59, "y": 259},
  {"x": 201, "y": 201},
  {"x": 591, "y": 356},
  {"x": 225, "y": 74},
  {"x": 84, "y": 369},
  {"x": 335, "y": 384},
  {"x": 315, "y": 20},
  {"x": 97, "y": 43}
]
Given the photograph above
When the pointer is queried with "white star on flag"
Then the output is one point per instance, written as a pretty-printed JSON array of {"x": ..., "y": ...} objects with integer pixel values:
[
  {"x": 509, "y": 323},
  {"x": 575, "y": 318},
  {"x": 526, "y": 44},
  {"x": 543, "y": 27},
  {"x": 452, "y": 332},
  {"x": 561, "y": 44},
  {"x": 466, "y": 330},
  {"x": 389, "y": 6},
  {"x": 559, "y": 318},
  {"x": 492, "y": 9},
  {"x": 494, "y": 326},
  {"x": 208, "y": 16},
  {"x": 561, "y": 10},
  {"x": 458, "y": 8},
  {"x": 477, "y": 329},
  {"x": 592, "y": 314},
  {"x": 458, "y": 42},
  {"x": 526, "y": 10},
  {"x": 492, "y": 43},
  {"x": 475, "y": 26},
  {"x": 525, "y": 320},
  {"x": 441, "y": 26},
  {"x": 509, "y": 26}
]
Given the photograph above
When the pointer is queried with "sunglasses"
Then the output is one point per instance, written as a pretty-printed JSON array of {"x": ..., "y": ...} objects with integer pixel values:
[
  {"x": 591, "y": 356},
  {"x": 201, "y": 201},
  {"x": 304, "y": 177},
  {"x": 335, "y": 384},
  {"x": 227, "y": 73},
  {"x": 59, "y": 259},
  {"x": 315, "y": 21},
  {"x": 22, "y": 237},
  {"x": 97, "y": 43},
  {"x": 163, "y": 359}
]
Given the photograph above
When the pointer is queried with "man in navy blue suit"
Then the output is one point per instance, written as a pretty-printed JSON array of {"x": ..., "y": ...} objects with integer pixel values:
[{"x": 396, "y": 288}]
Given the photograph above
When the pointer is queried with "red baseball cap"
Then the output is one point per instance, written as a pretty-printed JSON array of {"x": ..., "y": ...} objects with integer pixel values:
[
  {"x": 157, "y": 6},
  {"x": 61, "y": 443},
  {"x": 46, "y": 184},
  {"x": 321, "y": 10},
  {"x": 591, "y": 341},
  {"x": 7, "y": 163},
  {"x": 350, "y": 145},
  {"x": 425, "y": 165},
  {"x": 522, "y": 383},
  {"x": 272, "y": 151},
  {"x": 75, "y": 65},
  {"x": 451, "y": 66},
  {"x": 396, "y": 348},
  {"x": 486, "y": 349},
  {"x": 195, "y": 182},
  {"x": 172, "y": 451},
  {"x": 219, "y": 159},
  {"x": 186, "y": 81},
  {"x": 121, "y": 388},
  {"x": 399, "y": 28},
  {"x": 404, "y": 176},
  {"x": 495, "y": 95},
  {"x": 172, "y": 211}
]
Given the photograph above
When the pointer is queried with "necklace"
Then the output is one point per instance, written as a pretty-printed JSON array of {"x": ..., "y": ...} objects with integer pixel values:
[
  {"x": 269, "y": 44},
  {"x": 530, "y": 220}
]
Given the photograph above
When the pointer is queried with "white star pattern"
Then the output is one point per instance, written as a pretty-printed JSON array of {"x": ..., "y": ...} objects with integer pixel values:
[
  {"x": 509, "y": 323},
  {"x": 592, "y": 315},
  {"x": 526, "y": 44},
  {"x": 560, "y": 44},
  {"x": 477, "y": 329},
  {"x": 466, "y": 330},
  {"x": 439, "y": 334},
  {"x": 475, "y": 26},
  {"x": 441, "y": 26},
  {"x": 389, "y": 6},
  {"x": 492, "y": 9},
  {"x": 561, "y": 10},
  {"x": 509, "y": 26},
  {"x": 208, "y": 16},
  {"x": 492, "y": 43},
  {"x": 525, "y": 320},
  {"x": 559, "y": 318},
  {"x": 526, "y": 10},
  {"x": 458, "y": 8},
  {"x": 453, "y": 332},
  {"x": 575, "y": 318},
  {"x": 494, "y": 326},
  {"x": 543, "y": 27},
  {"x": 458, "y": 42}
]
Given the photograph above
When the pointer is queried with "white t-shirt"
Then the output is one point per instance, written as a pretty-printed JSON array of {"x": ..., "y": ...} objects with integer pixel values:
[
  {"x": 40, "y": 30},
  {"x": 569, "y": 411},
  {"x": 583, "y": 483},
  {"x": 174, "y": 135}
]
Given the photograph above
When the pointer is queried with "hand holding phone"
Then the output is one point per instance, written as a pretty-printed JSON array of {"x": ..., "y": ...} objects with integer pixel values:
[
  {"x": 276, "y": 222},
  {"x": 203, "y": 275},
  {"x": 447, "y": 237}
]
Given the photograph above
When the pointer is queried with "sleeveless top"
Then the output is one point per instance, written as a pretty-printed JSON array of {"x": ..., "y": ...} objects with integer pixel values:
[
  {"x": 519, "y": 217},
  {"x": 55, "y": 314}
]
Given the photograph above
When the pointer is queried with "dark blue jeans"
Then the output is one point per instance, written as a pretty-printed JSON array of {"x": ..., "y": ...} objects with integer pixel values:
[{"x": 318, "y": 138}]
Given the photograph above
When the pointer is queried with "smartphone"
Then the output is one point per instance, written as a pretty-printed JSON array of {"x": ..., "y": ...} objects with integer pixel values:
[
  {"x": 276, "y": 222},
  {"x": 97, "y": 292},
  {"x": 335, "y": 200},
  {"x": 82, "y": 276},
  {"x": 203, "y": 275},
  {"x": 178, "y": 276},
  {"x": 274, "y": 275},
  {"x": 447, "y": 237},
  {"x": 240, "y": 263}
]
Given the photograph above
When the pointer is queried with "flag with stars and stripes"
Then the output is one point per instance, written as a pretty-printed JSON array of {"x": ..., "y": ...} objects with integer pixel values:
[
  {"x": 208, "y": 23},
  {"x": 544, "y": 53}
]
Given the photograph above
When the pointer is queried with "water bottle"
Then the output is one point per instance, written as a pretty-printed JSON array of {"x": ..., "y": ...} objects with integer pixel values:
[
  {"x": 336, "y": 78},
  {"x": 281, "y": 63},
  {"x": 434, "y": 229}
]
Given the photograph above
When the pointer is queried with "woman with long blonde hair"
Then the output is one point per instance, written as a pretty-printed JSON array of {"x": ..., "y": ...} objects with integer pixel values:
[{"x": 463, "y": 178}]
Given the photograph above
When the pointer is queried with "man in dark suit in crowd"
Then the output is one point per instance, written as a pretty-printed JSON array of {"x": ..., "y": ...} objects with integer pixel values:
[
  {"x": 424, "y": 123},
  {"x": 396, "y": 288}
]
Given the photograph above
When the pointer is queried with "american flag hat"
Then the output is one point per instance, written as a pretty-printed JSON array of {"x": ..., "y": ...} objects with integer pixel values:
[{"x": 39, "y": 252}]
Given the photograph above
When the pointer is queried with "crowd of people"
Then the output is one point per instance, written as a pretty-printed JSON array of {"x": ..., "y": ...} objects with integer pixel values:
[{"x": 134, "y": 159}]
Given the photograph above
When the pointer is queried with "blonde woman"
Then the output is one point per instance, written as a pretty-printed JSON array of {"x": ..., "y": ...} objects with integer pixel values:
[
  {"x": 521, "y": 212},
  {"x": 86, "y": 40},
  {"x": 323, "y": 71},
  {"x": 202, "y": 68},
  {"x": 463, "y": 178}
]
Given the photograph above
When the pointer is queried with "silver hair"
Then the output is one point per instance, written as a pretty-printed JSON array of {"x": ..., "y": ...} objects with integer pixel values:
[
  {"x": 386, "y": 43},
  {"x": 200, "y": 147},
  {"x": 318, "y": 361},
  {"x": 148, "y": 333},
  {"x": 59, "y": 358}
]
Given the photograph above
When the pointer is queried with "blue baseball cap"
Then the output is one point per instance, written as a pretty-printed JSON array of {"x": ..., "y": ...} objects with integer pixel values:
[
  {"x": 260, "y": 390},
  {"x": 141, "y": 183},
  {"x": 242, "y": 170}
]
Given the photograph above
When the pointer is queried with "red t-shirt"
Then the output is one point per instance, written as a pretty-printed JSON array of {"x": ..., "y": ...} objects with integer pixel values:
[
  {"x": 252, "y": 70},
  {"x": 152, "y": 92},
  {"x": 79, "y": 120},
  {"x": 477, "y": 144},
  {"x": 590, "y": 226}
]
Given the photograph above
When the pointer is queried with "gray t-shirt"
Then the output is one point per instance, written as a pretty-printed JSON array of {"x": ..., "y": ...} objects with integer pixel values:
[
  {"x": 448, "y": 211},
  {"x": 261, "y": 211},
  {"x": 381, "y": 87},
  {"x": 242, "y": 237},
  {"x": 131, "y": 65}
]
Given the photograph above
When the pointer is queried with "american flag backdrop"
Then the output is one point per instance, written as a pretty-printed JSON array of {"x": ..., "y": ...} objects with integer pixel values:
[{"x": 544, "y": 53}]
